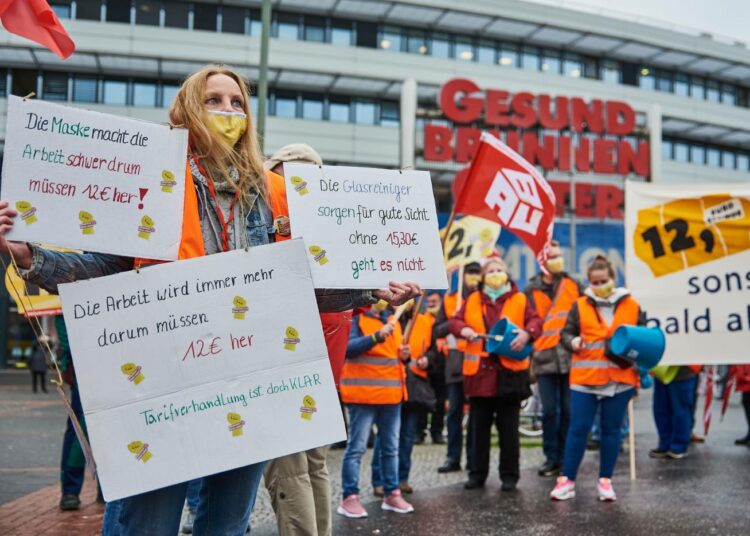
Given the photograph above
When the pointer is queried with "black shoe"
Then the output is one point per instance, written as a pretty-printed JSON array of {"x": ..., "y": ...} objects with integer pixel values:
[
  {"x": 70, "y": 502},
  {"x": 592, "y": 445},
  {"x": 549, "y": 469},
  {"x": 508, "y": 486},
  {"x": 676, "y": 455},
  {"x": 473, "y": 483},
  {"x": 438, "y": 440},
  {"x": 743, "y": 440},
  {"x": 657, "y": 453},
  {"x": 449, "y": 467}
]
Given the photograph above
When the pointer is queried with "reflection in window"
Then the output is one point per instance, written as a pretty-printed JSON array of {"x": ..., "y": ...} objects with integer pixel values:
[
  {"x": 713, "y": 157},
  {"x": 115, "y": 92},
  {"x": 646, "y": 78},
  {"x": 666, "y": 150},
  {"x": 530, "y": 58},
  {"x": 508, "y": 56},
  {"x": 551, "y": 62},
  {"x": 572, "y": 65},
  {"x": 144, "y": 94},
  {"x": 727, "y": 159},
  {"x": 312, "y": 108},
  {"x": 338, "y": 110},
  {"x": 440, "y": 45},
  {"x": 342, "y": 34},
  {"x": 743, "y": 161},
  {"x": 609, "y": 72},
  {"x": 416, "y": 42},
  {"x": 681, "y": 85},
  {"x": 84, "y": 89},
  {"x": 364, "y": 112},
  {"x": 663, "y": 81},
  {"x": 712, "y": 91},
  {"x": 697, "y": 154},
  {"x": 681, "y": 152},
  {"x": 315, "y": 29},
  {"x": 389, "y": 114},
  {"x": 232, "y": 20},
  {"x": 147, "y": 12},
  {"x": 697, "y": 87},
  {"x": 728, "y": 94},
  {"x": 55, "y": 87},
  {"x": 390, "y": 39}
]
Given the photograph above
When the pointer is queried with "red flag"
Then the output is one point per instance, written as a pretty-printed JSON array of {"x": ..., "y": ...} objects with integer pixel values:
[
  {"x": 709, "y": 398},
  {"x": 35, "y": 20},
  {"x": 503, "y": 187}
]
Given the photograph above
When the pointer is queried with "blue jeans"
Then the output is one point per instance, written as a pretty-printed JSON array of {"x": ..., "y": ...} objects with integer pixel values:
[
  {"x": 407, "y": 436},
  {"x": 193, "y": 494},
  {"x": 225, "y": 503},
  {"x": 387, "y": 417},
  {"x": 455, "y": 421},
  {"x": 72, "y": 461},
  {"x": 596, "y": 431},
  {"x": 673, "y": 408},
  {"x": 554, "y": 390},
  {"x": 583, "y": 407}
]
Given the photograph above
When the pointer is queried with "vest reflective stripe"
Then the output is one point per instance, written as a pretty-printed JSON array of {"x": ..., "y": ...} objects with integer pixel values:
[
  {"x": 420, "y": 341},
  {"x": 378, "y": 376},
  {"x": 514, "y": 309},
  {"x": 590, "y": 365},
  {"x": 450, "y": 304},
  {"x": 554, "y": 313}
]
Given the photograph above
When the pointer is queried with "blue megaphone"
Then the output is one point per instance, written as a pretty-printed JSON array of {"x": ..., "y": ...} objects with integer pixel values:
[
  {"x": 641, "y": 345},
  {"x": 501, "y": 335}
]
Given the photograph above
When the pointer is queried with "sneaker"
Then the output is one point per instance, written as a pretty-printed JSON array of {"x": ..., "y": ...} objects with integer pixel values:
[
  {"x": 449, "y": 467},
  {"x": 605, "y": 489},
  {"x": 676, "y": 455},
  {"x": 405, "y": 488},
  {"x": 378, "y": 491},
  {"x": 695, "y": 438},
  {"x": 187, "y": 526},
  {"x": 396, "y": 503},
  {"x": 70, "y": 502},
  {"x": 657, "y": 453},
  {"x": 564, "y": 489},
  {"x": 351, "y": 507}
]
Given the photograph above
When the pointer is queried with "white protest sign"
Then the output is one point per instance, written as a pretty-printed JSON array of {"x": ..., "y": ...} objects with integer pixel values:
[
  {"x": 200, "y": 366},
  {"x": 365, "y": 227},
  {"x": 688, "y": 264},
  {"x": 94, "y": 181}
]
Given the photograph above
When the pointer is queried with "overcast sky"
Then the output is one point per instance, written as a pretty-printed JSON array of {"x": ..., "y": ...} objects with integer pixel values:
[{"x": 729, "y": 18}]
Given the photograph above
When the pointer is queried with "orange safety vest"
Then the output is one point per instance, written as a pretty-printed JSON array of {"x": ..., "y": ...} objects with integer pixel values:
[
  {"x": 376, "y": 377},
  {"x": 590, "y": 366},
  {"x": 514, "y": 309},
  {"x": 554, "y": 313},
  {"x": 420, "y": 341},
  {"x": 450, "y": 305}
]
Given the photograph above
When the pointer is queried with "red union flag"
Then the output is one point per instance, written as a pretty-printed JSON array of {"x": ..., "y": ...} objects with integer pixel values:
[{"x": 501, "y": 186}]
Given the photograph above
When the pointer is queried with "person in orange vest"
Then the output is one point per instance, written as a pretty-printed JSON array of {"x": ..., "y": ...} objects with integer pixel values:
[
  {"x": 420, "y": 397},
  {"x": 597, "y": 379},
  {"x": 433, "y": 308},
  {"x": 552, "y": 294},
  {"x": 230, "y": 202},
  {"x": 454, "y": 379},
  {"x": 373, "y": 387},
  {"x": 673, "y": 412},
  {"x": 495, "y": 384}
]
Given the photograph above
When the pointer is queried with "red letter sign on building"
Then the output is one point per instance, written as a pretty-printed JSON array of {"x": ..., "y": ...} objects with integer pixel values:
[{"x": 503, "y": 187}]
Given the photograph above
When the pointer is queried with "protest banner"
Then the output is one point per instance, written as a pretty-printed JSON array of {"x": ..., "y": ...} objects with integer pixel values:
[
  {"x": 94, "y": 181},
  {"x": 192, "y": 368},
  {"x": 470, "y": 239},
  {"x": 365, "y": 227},
  {"x": 688, "y": 263}
]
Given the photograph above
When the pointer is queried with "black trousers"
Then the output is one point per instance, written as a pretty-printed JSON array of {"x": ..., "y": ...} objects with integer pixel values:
[
  {"x": 504, "y": 413},
  {"x": 746, "y": 405},
  {"x": 42, "y": 377},
  {"x": 437, "y": 417}
]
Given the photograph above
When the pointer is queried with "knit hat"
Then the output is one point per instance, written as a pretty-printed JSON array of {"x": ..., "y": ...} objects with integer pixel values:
[{"x": 295, "y": 152}]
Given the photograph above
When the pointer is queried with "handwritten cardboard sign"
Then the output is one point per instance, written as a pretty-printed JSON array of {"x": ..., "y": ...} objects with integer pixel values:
[
  {"x": 191, "y": 368},
  {"x": 365, "y": 227},
  {"x": 94, "y": 181}
]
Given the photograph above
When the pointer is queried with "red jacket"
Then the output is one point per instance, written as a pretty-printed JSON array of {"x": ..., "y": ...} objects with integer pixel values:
[
  {"x": 743, "y": 378},
  {"x": 484, "y": 383}
]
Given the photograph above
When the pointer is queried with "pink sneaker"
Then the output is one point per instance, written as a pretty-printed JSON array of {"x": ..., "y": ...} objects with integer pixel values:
[
  {"x": 606, "y": 491},
  {"x": 351, "y": 507},
  {"x": 564, "y": 489},
  {"x": 396, "y": 503}
]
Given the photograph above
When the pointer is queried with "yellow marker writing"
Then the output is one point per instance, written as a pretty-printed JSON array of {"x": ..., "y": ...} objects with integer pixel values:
[
  {"x": 300, "y": 186},
  {"x": 167, "y": 181},
  {"x": 235, "y": 423},
  {"x": 140, "y": 450},
  {"x": 291, "y": 340},
  {"x": 146, "y": 228},
  {"x": 133, "y": 372},
  {"x": 239, "y": 307},
  {"x": 319, "y": 254},
  {"x": 87, "y": 222},
  {"x": 308, "y": 408},
  {"x": 28, "y": 213}
]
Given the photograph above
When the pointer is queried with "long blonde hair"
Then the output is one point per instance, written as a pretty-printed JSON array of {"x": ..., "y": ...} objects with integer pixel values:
[{"x": 188, "y": 111}]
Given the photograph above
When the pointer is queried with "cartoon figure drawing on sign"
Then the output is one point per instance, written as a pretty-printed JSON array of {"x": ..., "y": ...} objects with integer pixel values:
[
  {"x": 239, "y": 307},
  {"x": 87, "y": 222},
  {"x": 235, "y": 423},
  {"x": 319, "y": 255},
  {"x": 146, "y": 227},
  {"x": 140, "y": 449},
  {"x": 300, "y": 185},
  {"x": 133, "y": 372},
  {"x": 291, "y": 340},
  {"x": 28, "y": 212},
  {"x": 308, "y": 408},
  {"x": 167, "y": 181}
]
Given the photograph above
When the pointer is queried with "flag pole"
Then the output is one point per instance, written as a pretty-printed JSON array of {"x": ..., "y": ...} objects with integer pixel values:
[{"x": 631, "y": 439}]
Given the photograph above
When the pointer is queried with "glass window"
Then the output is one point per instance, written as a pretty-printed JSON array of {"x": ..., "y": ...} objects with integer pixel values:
[
  {"x": 204, "y": 16},
  {"x": 440, "y": 45},
  {"x": 390, "y": 39},
  {"x": 697, "y": 87},
  {"x": 89, "y": 9},
  {"x": 743, "y": 161},
  {"x": 530, "y": 58},
  {"x": 712, "y": 91},
  {"x": 84, "y": 89},
  {"x": 416, "y": 42},
  {"x": 681, "y": 151},
  {"x": 176, "y": 14},
  {"x": 147, "y": 12},
  {"x": 61, "y": 9},
  {"x": 232, "y": 20},
  {"x": 342, "y": 33},
  {"x": 312, "y": 108},
  {"x": 728, "y": 94},
  {"x": 609, "y": 72},
  {"x": 389, "y": 114},
  {"x": 464, "y": 49},
  {"x": 287, "y": 27},
  {"x": 168, "y": 93},
  {"x": 508, "y": 56},
  {"x": 315, "y": 29},
  {"x": 364, "y": 112},
  {"x": 697, "y": 154},
  {"x": 681, "y": 85},
  {"x": 646, "y": 78},
  {"x": 338, "y": 110},
  {"x": 144, "y": 94},
  {"x": 727, "y": 159},
  {"x": 486, "y": 52},
  {"x": 55, "y": 87},
  {"x": 551, "y": 62},
  {"x": 713, "y": 157},
  {"x": 664, "y": 81},
  {"x": 286, "y": 104},
  {"x": 3, "y": 82},
  {"x": 118, "y": 12},
  {"x": 115, "y": 92},
  {"x": 256, "y": 25},
  {"x": 666, "y": 149},
  {"x": 572, "y": 65}
]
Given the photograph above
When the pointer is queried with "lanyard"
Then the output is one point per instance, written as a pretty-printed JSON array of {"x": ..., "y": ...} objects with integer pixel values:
[{"x": 219, "y": 214}]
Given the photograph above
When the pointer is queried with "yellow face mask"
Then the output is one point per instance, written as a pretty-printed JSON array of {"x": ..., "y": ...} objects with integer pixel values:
[
  {"x": 379, "y": 306},
  {"x": 556, "y": 265},
  {"x": 229, "y": 125},
  {"x": 434, "y": 311},
  {"x": 605, "y": 290},
  {"x": 496, "y": 280},
  {"x": 472, "y": 279}
]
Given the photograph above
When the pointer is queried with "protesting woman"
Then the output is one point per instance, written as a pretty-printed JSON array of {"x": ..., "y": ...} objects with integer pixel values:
[
  {"x": 598, "y": 381},
  {"x": 230, "y": 203},
  {"x": 495, "y": 384}
]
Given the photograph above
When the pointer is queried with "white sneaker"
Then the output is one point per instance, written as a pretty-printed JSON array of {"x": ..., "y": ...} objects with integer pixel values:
[
  {"x": 564, "y": 489},
  {"x": 606, "y": 491}
]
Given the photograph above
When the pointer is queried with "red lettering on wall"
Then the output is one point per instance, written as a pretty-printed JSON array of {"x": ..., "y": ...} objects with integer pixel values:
[
  {"x": 437, "y": 143},
  {"x": 467, "y": 139},
  {"x": 556, "y": 120},
  {"x": 587, "y": 116},
  {"x": 465, "y": 108},
  {"x": 523, "y": 107},
  {"x": 604, "y": 156},
  {"x": 497, "y": 108}
]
